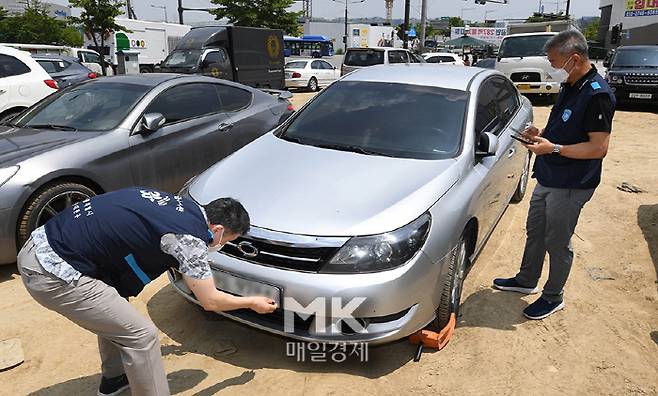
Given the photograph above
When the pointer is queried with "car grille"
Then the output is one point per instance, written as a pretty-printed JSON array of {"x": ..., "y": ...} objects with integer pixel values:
[
  {"x": 641, "y": 79},
  {"x": 280, "y": 250},
  {"x": 525, "y": 77}
]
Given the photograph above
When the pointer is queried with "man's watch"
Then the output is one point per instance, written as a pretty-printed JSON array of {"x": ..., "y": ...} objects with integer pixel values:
[{"x": 557, "y": 148}]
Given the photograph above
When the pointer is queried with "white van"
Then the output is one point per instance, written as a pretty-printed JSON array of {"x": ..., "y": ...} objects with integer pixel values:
[{"x": 88, "y": 57}]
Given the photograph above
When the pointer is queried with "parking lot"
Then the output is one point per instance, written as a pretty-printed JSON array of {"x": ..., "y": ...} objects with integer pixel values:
[{"x": 605, "y": 341}]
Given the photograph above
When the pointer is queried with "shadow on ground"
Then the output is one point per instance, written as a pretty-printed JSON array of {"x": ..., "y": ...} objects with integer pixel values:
[
  {"x": 493, "y": 309},
  {"x": 647, "y": 219},
  {"x": 7, "y": 272}
]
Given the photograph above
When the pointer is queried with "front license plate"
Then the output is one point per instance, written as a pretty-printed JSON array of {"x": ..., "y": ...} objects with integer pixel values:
[
  {"x": 523, "y": 86},
  {"x": 240, "y": 286},
  {"x": 639, "y": 95}
]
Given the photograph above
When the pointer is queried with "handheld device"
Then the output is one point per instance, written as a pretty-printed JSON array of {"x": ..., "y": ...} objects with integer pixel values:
[{"x": 522, "y": 139}]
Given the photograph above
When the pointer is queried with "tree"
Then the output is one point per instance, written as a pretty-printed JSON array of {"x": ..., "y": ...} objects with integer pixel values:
[
  {"x": 72, "y": 37},
  {"x": 539, "y": 17},
  {"x": 591, "y": 31},
  {"x": 259, "y": 13},
  {"x": 3, "y": 13},
  {"x": 33, "y": 26},
  {"x": 97, "y": 20}
]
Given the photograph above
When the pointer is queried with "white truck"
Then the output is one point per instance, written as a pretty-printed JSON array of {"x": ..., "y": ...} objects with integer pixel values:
[
  {"x": 522, "y": 58},
  {"x": 153, "y": 41}
]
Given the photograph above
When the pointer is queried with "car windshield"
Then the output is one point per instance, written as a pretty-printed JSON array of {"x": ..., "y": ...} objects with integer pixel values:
[
  {"x": 182, "y": 58},
  {"x": 364, "y": 57},
  {"x": 636, "y": 57},
  {"x": 523, "y": 46},
  {"x": 296, "y": 65},
  {"x": 380, "y": 118},
  {"x": 87, "y": 107}
]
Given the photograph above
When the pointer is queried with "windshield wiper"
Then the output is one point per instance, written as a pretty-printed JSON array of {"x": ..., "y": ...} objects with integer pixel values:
[
  {"x": 52, "y": 126},
  {"x": 353, "y": 149},
  {"x": 292, "y": 139}
]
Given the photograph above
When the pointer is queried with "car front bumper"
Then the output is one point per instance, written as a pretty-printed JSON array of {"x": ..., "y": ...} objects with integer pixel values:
[
  {"x": 396, "y": 303},
  {"x": 542, "y": 87},
  {"x": 625, "y": 93}
]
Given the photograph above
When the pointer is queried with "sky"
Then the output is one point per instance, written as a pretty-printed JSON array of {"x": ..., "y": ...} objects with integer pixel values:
[{"x": 375, "y": 8}]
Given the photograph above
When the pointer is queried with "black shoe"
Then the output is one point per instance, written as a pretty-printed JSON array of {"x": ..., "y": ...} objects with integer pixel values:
[
  {"x": 541, "y": 309},
  {"x": 113, "y": 386},
  {"x": 510, "y": 284}
]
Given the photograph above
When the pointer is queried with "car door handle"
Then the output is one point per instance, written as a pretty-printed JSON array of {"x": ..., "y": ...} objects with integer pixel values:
[
  {"x": 225, "y": 126},
  {"x": 512, "y": 151}
]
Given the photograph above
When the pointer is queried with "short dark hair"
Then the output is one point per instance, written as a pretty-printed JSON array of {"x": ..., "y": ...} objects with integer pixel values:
[{"x": 229, "y": 213}]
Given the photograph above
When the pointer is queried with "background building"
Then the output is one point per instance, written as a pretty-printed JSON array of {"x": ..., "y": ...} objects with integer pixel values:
[
  {"x": 55, "y": 10},
  {"x": 625, "y": 22}
]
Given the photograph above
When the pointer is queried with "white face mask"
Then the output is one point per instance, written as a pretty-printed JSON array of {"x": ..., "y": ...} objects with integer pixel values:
[
  {"x": 217, "y": 247},
  {"x": 559, "y": 75}
]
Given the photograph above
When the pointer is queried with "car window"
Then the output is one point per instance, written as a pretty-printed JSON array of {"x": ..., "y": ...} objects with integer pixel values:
[
  {"x": 366, "y": 57},
  {"x": 233, "y": 98},
  {"x": 397, "y": 57},
  {"x": 49, "y": 66},
  {"x": 187, "y": 101},
  {"x": 98, "y": 106},
  {"x": 497, "y": 102},
  {"x": 444, "y": 59},
  {"x": 326, "y": 65},
  {"x": 90, "y": 57},
  {"x": 374, "y": 116},
  {"x": 10, "y": 66},
  {"x": 316, "y": 65},
  {"x": 296, "y": 65},
  {"x": 637, "y": 57},
  {"x": 213, "y": 57},
  {"x": 432, "y": 59},
  {"x": 80, "y": 58}
]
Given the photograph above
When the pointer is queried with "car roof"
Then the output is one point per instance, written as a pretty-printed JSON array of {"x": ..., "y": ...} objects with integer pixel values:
[
  {"x": 376, "y": 48},
  {"x": 13, "y": 51},
  {"x": 427, "y": 74},
  {"x": 55, "y": 57},
  {"x": 148, "y": 79},
  {"x": 439, "y": 54},
  {"x": 636, "y": 47}
]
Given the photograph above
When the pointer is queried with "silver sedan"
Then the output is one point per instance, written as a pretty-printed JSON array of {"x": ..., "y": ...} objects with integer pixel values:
[{"x": 371, "y": 203}]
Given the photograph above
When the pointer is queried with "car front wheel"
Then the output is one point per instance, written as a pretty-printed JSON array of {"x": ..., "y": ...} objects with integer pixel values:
[
  {"x": 46, "y": 203},
  {"x": 312, "y": 84},
  {"x": 452, "y": 288}
]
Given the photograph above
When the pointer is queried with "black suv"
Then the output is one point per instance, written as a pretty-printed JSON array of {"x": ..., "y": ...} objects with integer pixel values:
[{"x": 633, "y": 73}]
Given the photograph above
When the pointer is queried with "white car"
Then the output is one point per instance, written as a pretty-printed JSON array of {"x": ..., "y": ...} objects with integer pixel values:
[
  {"x": 446, "y": 58},
  {"x": 23, "y": 82},
  {"x": 310, "y": 74}
]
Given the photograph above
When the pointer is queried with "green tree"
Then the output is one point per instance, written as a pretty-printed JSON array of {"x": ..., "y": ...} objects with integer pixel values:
[
  {"x": 3, "y": 13},
  {"x": 97, "y": 20},
  {"x": 539, "y": 17},
  {"x": 259, "y": 13},
  {"x": 72, "y": 37},
  {"x": 33, "y": 26},
  {"x": 591, "y": 31}
]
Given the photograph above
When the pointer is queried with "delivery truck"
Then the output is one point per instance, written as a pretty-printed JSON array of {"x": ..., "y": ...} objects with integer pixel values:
[{"x": 250, "y": 56}]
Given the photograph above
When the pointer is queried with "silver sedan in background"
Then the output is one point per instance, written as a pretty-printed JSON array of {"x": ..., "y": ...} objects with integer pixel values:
[
  {"x": 152, "y": 130},
  {"x": 382, "y": 190}
]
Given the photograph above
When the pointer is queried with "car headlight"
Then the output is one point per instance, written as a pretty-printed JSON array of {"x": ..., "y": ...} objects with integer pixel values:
[
  {"x": 380, "y": 252},
  {"x": 7, "y": 173}
]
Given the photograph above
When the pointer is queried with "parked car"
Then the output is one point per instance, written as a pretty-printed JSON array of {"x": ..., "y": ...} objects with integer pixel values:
[
  {"x": 447, "y": 58},
  {"x": 153, "y": 130},
  {"x": 633, "y": 73},
  {"x": 357, "y": 58},
  {"x": 65, "y": 70},
  {"x": 22, "y": 82},
  {"x": 310, "y": 74},
  {"x": 486, "y": 63},
  {"x": 349, "y": 199}
]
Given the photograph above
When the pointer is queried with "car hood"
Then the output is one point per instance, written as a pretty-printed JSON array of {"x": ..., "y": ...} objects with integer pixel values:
[
  {"x": 306, "y": 190},
  {"x": 18, "y": 144},
  {"x": 629, "y": 70}
]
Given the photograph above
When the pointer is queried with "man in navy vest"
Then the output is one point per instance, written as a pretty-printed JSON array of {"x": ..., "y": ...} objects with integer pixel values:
[
  {"x": 570, "y": 151},
  {"x": 85, "y": 263}
]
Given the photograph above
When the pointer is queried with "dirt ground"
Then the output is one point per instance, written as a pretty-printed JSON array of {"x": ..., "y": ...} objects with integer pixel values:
[{"x": 605, "y": 342}]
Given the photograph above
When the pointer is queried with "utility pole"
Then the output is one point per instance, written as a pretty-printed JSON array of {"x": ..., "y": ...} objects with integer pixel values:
[
  {"x": 423, "y": 22},
  {"x": 405, "y": 27},
  {"x": 180, "y": 11},
  {"x": 345, "y": 37},
  {"x": 568, "y": 4}
]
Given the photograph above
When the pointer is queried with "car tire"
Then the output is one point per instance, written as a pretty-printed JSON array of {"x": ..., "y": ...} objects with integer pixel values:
[
  {"x": 46, "y": 202},
  {"x": 452, "y": 288},
  {"x": 522, "y": 187},
  {"x": 313, "y": 85},
  {"x": 145, "y": 69}
]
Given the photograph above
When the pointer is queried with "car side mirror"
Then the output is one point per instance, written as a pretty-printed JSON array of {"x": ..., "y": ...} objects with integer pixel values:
[
  {"x": 334, "y": 67},
  {"x": 152, "y": 122},
  {"x": 285, "y": 95},
  {"x": 487, "y": 145}
]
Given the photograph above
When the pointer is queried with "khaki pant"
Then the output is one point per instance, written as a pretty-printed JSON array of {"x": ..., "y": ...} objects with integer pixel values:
[{"x": 128, "y": 343}]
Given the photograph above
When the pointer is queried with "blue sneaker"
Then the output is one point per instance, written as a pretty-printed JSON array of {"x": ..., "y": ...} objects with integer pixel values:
[
  {"x": 510, "y": 284},
  {"x": 541, "y": 309}
]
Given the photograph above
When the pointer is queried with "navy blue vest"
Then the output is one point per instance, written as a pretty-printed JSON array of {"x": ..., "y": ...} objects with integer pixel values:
[
  {"x": 566, "y": 125},
  {"x": 115, "y": 237}
]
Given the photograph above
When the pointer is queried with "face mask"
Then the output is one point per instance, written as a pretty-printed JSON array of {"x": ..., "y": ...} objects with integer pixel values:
[
  {"x": 559, "y": 75},
  {"x": 217, "y": 247}
]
